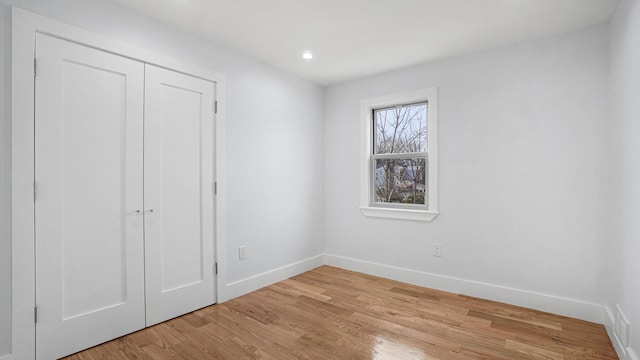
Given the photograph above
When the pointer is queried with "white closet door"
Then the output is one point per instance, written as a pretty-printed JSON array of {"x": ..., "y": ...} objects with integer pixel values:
[
  {"x": 89, "y": 182},
  {"x": 179, "y": 175}
]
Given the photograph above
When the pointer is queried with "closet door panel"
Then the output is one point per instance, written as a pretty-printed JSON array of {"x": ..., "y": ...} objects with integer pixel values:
[
  {"x": 89, "y": 182},
  {"x": 179, "y": 130}
]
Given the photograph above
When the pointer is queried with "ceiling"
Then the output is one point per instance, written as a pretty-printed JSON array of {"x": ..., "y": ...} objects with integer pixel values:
[{"x": 355, "y": 38}]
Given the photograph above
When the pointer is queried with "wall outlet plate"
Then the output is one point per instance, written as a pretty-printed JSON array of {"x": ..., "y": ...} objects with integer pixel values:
[
  {"x": 437, "y": 250},
  {"x": 242, "y": 252},
  {"x": 621, "y": 326}
]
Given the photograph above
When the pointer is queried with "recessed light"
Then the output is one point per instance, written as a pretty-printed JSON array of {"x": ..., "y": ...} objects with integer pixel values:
[{"x": 307, "y": 55}]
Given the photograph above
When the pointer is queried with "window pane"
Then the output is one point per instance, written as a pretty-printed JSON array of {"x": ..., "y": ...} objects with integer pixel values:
[
  {"x": 401, "y": 181},
  {"x": 401, "y": 129}
]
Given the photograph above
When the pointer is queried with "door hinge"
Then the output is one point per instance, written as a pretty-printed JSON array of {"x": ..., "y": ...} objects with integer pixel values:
[
  {"x": 34, "y": 191},
  {"x": 35, "y": 314},
  {"x": 215, "y": 188},
  {"x": 215, "y": 107},
  {"x": 216, "y": 268},
  {"x": 35, "y": 67}
]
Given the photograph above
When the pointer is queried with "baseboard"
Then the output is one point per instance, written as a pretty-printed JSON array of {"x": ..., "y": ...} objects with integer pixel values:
[
  {"x": 624, "y": 353},
  {"x": 609, "y": 324},
  {"x": 543, "y": 302},
  {"x": 6, "y": 357},
  {"x": 253, "y": 283}
]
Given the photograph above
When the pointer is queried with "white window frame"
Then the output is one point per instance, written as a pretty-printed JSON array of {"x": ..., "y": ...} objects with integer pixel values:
[{"x": 399, "y": 211}]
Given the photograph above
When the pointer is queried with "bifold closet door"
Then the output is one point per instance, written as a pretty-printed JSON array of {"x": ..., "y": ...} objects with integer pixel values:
[
  {"x": 178, "y": 192},
  {"x": 89, "y": 185}
]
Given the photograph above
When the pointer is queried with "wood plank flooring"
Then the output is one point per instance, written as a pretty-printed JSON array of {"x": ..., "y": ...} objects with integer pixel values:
[{"x": 330, "y": 313}]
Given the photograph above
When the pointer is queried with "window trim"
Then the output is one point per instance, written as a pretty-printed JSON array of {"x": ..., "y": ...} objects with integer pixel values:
[{"x": 398, "y": 211}]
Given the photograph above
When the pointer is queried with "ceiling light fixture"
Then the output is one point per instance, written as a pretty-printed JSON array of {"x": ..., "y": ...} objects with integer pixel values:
[{"x": 307, "y": 55}]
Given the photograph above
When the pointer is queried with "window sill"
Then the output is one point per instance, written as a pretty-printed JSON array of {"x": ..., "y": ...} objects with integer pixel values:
[{"x": 401, "y": 214}]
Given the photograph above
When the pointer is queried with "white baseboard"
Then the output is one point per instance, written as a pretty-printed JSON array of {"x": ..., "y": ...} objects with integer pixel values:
[
  {"x": 548, "y": 303},
  {"x": 543, "y": 302},
  {"x": 6, "y": 357},
  {"x": 624, "y": 353},
  {"x": 253, "y": 283},
  {"x": 609, "y": 324}
]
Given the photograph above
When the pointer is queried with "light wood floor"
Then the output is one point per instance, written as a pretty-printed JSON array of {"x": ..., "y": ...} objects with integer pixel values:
[{"x": 330, "y": 313}]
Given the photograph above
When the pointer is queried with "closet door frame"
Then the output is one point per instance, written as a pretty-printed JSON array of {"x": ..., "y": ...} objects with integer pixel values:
[{"x": 25, "y": 26}]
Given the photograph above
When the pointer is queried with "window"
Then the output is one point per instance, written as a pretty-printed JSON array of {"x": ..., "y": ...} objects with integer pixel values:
[{"x": 399, "y": 162}]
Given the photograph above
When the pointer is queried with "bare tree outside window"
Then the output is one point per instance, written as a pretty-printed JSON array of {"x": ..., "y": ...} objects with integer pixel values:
[
  {"x": 400, "y": 154},
  {"x": 399, "y": 163}
]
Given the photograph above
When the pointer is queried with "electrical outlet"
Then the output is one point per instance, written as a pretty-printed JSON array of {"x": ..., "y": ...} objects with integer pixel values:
[
  {"x": 624, "y": 333},
  {"x": 617, "y": 324},
  {"x": 621, "y": 327},
  {"x": 437, "y": 250},
  {"x": 242, "y": 252}
]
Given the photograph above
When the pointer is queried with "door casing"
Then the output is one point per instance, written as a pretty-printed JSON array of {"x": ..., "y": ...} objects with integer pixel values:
[{"x": 25, "y": 25}]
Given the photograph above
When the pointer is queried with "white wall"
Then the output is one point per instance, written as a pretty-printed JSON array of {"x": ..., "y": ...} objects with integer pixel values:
[
  {"x": 524, "y": 150},
  {"x": 5, "y": 188},
  {"x": 274, "y": 137},
  {"x": 523, "y": 138},
  {"x": 623, "y": 282}
]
